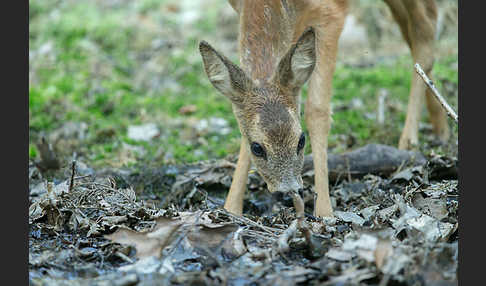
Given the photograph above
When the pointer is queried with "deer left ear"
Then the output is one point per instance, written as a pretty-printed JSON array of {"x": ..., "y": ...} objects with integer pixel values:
[
  {"x": 297, "y": 65},
  {"x": 225, "y": 76}
]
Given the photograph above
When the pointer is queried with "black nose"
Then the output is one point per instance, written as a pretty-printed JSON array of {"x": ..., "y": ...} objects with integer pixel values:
[
  {"x": 278, "y": 196},
  {"x": 285, "y": 198}
]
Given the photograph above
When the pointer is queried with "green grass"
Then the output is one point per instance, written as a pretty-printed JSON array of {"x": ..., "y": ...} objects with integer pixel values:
[{"x": 90, "y": 75}]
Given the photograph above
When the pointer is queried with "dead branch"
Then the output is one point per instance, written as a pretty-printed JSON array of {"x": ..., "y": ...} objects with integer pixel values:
[
  {"x": 370, "y": 159},
  {"x": 269, "y": 230},
  {"x": 73, "y": 172},
  {"x": 436, "y": 93}
]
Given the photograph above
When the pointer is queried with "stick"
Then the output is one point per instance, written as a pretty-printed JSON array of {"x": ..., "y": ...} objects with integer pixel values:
[
  {"x": 73, "y": 172},
  {"x": 299, "y": 210},
  {"x": 297, "y": 224},
  {"x": 270, "y": 230},
  {"x": 441, "y": 100},
  {"x": 383, "y": 93}
]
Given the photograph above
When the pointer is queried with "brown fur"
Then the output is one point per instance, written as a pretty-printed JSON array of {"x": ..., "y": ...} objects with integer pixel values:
[
  {"x": 277, "y": 56},
  {"x": 266, "y": 108}
]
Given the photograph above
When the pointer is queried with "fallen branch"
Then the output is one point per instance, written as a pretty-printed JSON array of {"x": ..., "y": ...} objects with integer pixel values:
[
  {"x": 441, "y": 100},
  {"x": 370, "y": 159}
]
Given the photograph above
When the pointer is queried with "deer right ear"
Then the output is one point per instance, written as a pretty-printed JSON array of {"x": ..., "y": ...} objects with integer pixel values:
[
  {"x": 225, "y": 76},
  {"x": 297, "y": 65},
  {"x": 236, "y": 4}
]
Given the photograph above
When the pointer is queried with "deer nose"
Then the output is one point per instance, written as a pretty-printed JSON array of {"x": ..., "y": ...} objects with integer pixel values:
[
  {"x": 295, "y": 186},
  {"x": 292, "y": 185},
  {"x": 283, "y": 195}
]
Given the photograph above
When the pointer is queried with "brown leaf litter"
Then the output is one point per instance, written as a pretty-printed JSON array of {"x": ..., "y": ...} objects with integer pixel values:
[{"x": 398, "y": 228}]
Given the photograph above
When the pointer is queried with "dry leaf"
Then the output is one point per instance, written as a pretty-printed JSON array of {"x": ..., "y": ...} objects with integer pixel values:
[
  {"x": 339, "y": 255},
  {"x": 433, "y": 229},
  {"x": 436, "y": 207},
  {"x": 212, "y": 237},
  {"x": 187, "y": 109},
  {"x": 46, "y": 206},
  {"x": 383, "y": 250},
  {"x": 148, "y": 243},
  {"x": 349, "y": 217}
]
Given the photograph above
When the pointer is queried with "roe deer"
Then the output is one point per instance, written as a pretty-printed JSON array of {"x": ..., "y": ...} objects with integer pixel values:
[{"x": 283, "y": 43}]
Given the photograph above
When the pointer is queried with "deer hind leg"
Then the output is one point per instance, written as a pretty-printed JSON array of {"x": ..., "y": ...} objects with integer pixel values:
[
  {"x": 234, "y": 199},
  {"x": 437, "y": 116},
  {"x": 317, "y": 108},
  {"x": 417, "y": 21}
]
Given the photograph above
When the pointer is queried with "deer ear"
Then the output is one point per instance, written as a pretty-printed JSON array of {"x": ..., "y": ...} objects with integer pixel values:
[
  {"x": 297, "y": 65},
  {"x": 225, "y": 76},
  {"x": 236, "y": 4}
]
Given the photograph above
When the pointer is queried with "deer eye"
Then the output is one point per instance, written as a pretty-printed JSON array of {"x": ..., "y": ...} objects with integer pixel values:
[
  {"x": 301, "y": 144},
  {"x": 257, "y": 149}
]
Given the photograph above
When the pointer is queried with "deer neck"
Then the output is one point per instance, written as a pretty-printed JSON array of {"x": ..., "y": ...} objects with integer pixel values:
[{"x": 266, "y": 33}]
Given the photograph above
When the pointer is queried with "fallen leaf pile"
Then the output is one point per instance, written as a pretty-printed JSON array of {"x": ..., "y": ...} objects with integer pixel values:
[{"x": 400, "y": 228}]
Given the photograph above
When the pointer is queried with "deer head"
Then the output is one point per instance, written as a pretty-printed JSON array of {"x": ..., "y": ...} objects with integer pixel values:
[{"x": 267, "y": 111}]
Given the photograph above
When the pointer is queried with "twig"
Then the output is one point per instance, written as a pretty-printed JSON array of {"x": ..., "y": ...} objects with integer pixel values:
[
  {"x": 82, "y": 177},
  {"x": 73, "y": 172},
  {"x": 348, "y": 168},
  {"x": 257, "y": 234},
  {"x": 399, "y": 169},
  {"x": 297, "y": 224},
  {"x": 299, "y": 209},
  {"x": 441, "y": 100},
  {"x": 124, "y": 257},
  {"x": 270, "y": 230},
  {"x": 383, "y": 93}
]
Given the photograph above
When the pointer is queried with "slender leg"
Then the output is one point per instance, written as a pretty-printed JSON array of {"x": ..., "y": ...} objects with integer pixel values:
[
  {"x": 437, "y": 116},
  {"x": 417, "y": 21},
  {"x": 234, "y": 200},
  {"x": 409, "y": 137},
  {"x": 318, "y": 110}
]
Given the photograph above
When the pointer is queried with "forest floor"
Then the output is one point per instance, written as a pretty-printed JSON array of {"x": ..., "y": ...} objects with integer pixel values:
[{"x": 117, "y": 87}]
